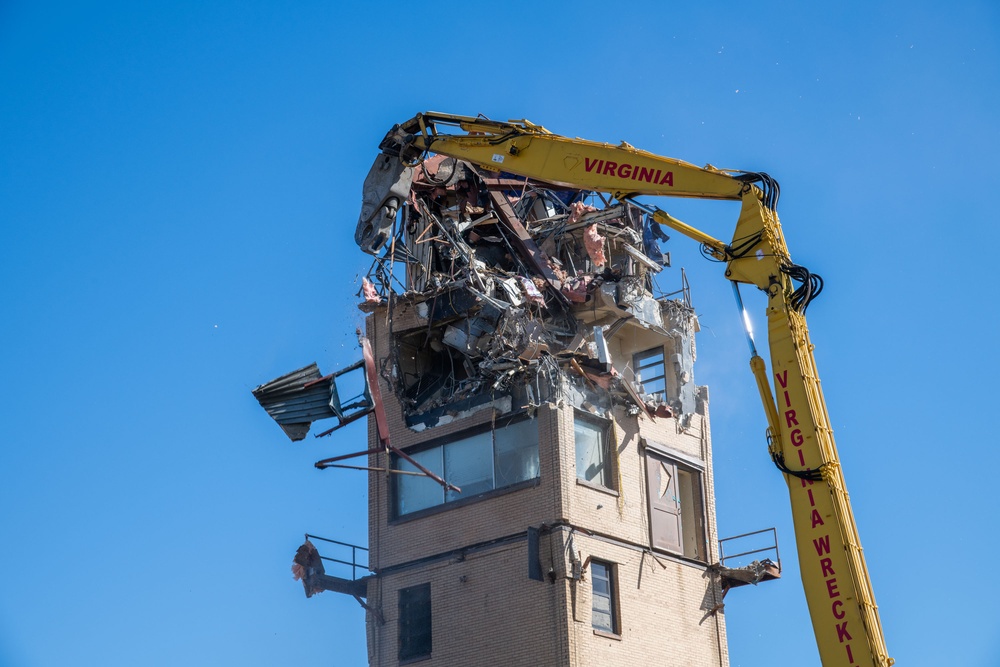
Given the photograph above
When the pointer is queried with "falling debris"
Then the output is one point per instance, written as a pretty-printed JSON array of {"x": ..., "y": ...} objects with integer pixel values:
[{"x": 306, "y": 566}]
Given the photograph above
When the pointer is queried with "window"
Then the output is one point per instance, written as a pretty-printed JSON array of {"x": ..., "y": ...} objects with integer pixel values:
[
  {"x": 592, "y": 454},
  {"x": 415, "y": 622},
  {"x": 603, "y": 615},
  {"x": 475, "y": 463},
  {"x": 650, "y": 372},
  {"x": 676, "y": 508}
]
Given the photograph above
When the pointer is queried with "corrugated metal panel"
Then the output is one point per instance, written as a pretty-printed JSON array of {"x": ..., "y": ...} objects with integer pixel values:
[{"x": 294, "y": 405}]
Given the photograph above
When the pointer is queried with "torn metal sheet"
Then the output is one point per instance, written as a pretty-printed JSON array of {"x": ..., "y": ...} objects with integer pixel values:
[{"x": 297, "y": 399}]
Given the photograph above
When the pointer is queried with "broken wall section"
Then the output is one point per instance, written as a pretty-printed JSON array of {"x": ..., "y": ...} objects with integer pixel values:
[{"x": 503, "y": 292}]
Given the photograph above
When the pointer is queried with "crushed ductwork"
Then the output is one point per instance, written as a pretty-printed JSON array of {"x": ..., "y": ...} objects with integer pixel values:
[{"x": 504, "y": 292}]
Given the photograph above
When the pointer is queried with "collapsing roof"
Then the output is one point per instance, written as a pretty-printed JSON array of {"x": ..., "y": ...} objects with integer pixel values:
[{"x": 504, "y": 291}]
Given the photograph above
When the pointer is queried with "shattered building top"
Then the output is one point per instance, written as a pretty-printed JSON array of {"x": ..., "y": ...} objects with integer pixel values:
[{"x": 503, "y": 291}]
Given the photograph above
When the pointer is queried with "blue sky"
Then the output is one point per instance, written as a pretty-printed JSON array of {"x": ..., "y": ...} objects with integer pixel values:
[{"x": 179, "y": 187}]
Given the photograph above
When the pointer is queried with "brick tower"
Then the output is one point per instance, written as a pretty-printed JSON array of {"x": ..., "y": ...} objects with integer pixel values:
[
  {"x": 524, "y": 363},
  {"x": 583, "y": 531}
]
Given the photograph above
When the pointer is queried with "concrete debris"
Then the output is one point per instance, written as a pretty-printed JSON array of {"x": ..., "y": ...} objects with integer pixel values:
[
  {"x": 503, "y": 293},
  {"x": 752, "y": 574}
]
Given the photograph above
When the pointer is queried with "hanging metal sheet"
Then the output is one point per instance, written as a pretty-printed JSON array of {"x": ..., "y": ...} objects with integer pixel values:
[{"x": 296, "y": 399}]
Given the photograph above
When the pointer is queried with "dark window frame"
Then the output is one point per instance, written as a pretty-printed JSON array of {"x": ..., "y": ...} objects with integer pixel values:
[
  {"x": 637, "y": 367},
  {"x": 691, "y": 532},
  {"x": 604, "y": 575},
  {"x": 446, "y": 503},
  {"x": 609, "y": 469},
  {"x": 415, "y": 623}
]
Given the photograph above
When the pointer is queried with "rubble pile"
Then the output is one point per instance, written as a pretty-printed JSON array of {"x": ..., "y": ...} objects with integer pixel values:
[{"x": 504, "y": 291}]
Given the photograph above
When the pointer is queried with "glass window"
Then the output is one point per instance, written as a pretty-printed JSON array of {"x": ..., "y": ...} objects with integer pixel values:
[
  {"x": 650, "y": 372},
  {"x": 603, "y": 616},
  {"x": 516, "y": 450},
  {"x": 468, "y": 464},
  {"x": 417, "y": 492},
  {"x": 592, "y": 452},
  {"x": 476, "y": 463},
  {"x": 415, "y": 622}
]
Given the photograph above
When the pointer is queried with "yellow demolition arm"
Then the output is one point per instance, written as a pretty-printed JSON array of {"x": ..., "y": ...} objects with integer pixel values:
[{"x": 836, "y": 581}]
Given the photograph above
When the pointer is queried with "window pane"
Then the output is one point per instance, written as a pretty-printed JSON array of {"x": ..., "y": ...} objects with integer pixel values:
[
  {"x": 516, "y": 453},
  {"x": 476, "y": 464},
  {"x": 650, "y": 372},
  {"x": 468, "y": 464},
  {"x": 602, "y": 615},
  {"x": 602, "y": 621},
  {"x": 590, "y": 452},
  {"x": 417, "y": 492},
  {"x": 415, "y": 621}
]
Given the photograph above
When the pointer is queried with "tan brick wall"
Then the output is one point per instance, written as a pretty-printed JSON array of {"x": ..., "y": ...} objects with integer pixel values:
[
  {"x": 665, "y": 611},
  {"x": 485, "y": 609}
]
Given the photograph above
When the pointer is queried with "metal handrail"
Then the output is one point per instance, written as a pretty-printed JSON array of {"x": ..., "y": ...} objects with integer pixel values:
[
  {"x": 354, "y": 564},
  {"x": 774, "y": 548}
]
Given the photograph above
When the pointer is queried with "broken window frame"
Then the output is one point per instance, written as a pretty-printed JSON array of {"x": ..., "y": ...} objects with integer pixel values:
[
  {"x": 520, "y": 449},
  {"x": 605, "y": 475},
  {"x": 688, "y": 509},
  {"x": 415, "y": 623},
  {"x": 641, "y": 362},
  {"x": 604, "y": 591}
]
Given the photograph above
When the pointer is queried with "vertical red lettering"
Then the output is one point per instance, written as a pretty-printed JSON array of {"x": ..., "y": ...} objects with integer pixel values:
[
  {"x": 850, "y": 654},
  {"x": 609, "y": 168},
  {"x": 624, "y": 170},
  {"x": 831, "y": 588},
  {"x": 656, "y": 179},
  {"x": 788, "y": 401},
  {"x": 806, "y": 482},
  {"x": 645, "y": 174},
  {"x": 827, "y": 565},
  {"x": 668, "y": 179},
  {"x": 822, "y": 545},
  {"x": 816, "y": 519},
  {"x": 842, "y": 632},
  {"x": 836, "y": 609},
  {"x": 782, "y": 379},
  {"x": 589, "y": 164},
  {"x": 812, "y": 501},
  {"x": 796, "y": 437},
  {"x": 790, "y": 419},
  {"x": 802, "y": 458}
]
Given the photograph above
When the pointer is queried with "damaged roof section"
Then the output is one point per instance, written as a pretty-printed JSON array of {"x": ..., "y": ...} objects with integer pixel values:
[{"x": 505, "y": 292}]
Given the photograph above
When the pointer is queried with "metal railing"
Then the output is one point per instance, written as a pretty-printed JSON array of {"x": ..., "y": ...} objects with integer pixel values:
[
  {"x": 354, "y": 564},
  {"x": 771, "y": 546}
]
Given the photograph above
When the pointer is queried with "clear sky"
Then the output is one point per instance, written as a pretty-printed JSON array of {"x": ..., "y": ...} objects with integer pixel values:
[{"x": 179, "y": 188}]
